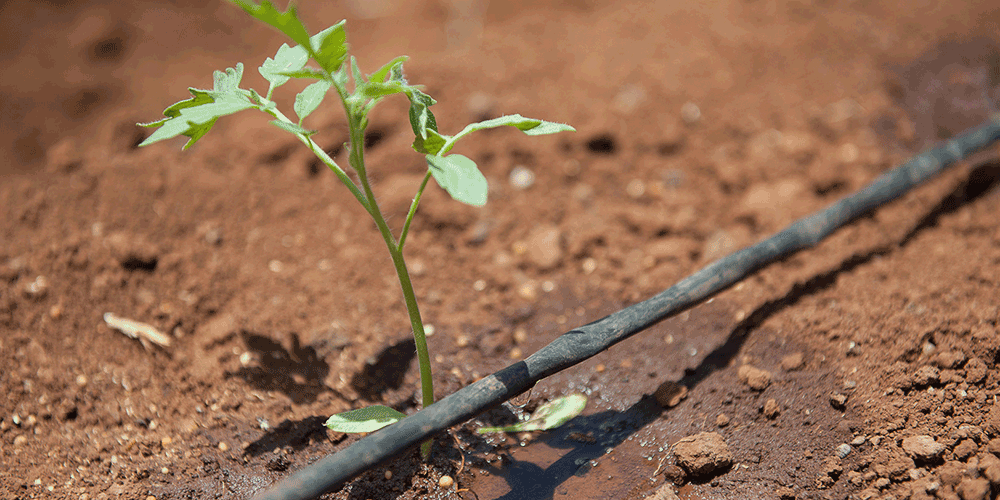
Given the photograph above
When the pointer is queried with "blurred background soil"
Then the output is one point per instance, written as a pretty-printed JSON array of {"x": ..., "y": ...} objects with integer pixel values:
[{"x": 701, "y": 129}]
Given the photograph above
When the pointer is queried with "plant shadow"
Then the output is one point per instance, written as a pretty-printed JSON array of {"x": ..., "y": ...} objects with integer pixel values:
[
  {"x": 386, "y": 371},
  {"x": 298, "y": 372},
  {"x": 297, "y": 434}
]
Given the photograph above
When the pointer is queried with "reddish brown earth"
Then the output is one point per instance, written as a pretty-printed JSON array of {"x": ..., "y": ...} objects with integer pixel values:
[{"x": 701, "y": 129}]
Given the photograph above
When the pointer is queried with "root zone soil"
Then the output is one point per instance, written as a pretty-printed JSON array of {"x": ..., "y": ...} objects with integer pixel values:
[{"x": 701, "y": 130}]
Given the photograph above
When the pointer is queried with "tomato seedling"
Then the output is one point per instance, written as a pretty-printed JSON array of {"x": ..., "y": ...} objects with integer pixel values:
[{"x": 358, "y": 94}]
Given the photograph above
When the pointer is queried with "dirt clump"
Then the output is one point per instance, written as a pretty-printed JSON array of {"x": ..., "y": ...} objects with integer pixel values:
[
  {"x": 703, "y": 455},
  {"x": 922, "y": 447},
  {"x": 753, "y": 377}
]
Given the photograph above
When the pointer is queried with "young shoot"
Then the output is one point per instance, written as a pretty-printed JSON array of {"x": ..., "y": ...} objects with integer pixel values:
[
  {"x": 548, "y": 416},
  {"x": 334, "y": 72}
]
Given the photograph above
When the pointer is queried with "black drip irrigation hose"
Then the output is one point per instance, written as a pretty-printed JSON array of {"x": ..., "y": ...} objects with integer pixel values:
[{"x": 588, "y": 340}]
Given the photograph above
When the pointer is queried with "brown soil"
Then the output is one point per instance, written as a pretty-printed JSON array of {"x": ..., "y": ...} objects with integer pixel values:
[{"x": 701, "y": 129}]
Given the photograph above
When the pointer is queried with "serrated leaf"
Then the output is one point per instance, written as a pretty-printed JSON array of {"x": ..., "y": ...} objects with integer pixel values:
[
  {"x": 421, "y": 118},
  {"x": 460, "y": 177},
  {"x": 291, "y": 127},
  {"x": 548, "y": 416},
  {"x": 194, "y": 117},
  {"x": 287, "y": 59},
  {"x": 388, "y": 69},
  {"x": 310, "y": 98},
  {"x": 431, "y": 145},
  {"x": 330, "y": 47},
  {"x": 287, "y": 22},
  {"x": 368, "y": 419}
]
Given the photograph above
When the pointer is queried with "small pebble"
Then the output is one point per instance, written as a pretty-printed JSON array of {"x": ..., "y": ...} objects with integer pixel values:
[
  {"x": 669, "y": 394},
  {"x": 528, "y": 290},
  {"x": 771, "y": 409},
  {"x": 520, "y": 335},
  {"x": 38, "y": 288},
  {"x": 635, "y": 189},
  {"x": 722, "y": 420},
  {"x": 388, "y": 475},
  {"x": 20, "y": 440},
  {"x": 223, "y": 446},
  {"x": 792, "y": 362},
  {"x": 521, "y": 177},
  {"x": 858, "y": 441},
  {"x": 843, "y": 450},
  {"x": 446, "y": 482},
  {"x": 838, "y": 400},
  {"x": 690, "y": 113}
]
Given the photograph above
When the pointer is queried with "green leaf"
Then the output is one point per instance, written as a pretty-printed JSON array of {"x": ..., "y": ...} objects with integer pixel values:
[
  {"x": 286, "y": 22},
  {"x": 421, "y": 118},
  {"x": 368, "y": 419},
  {"x": 387, "y": 70},
  {"x": 359, "y": 79},
  {"x": 305, "y": 73},
  {"x": 432, "y": 144},
  {"x": 288, "y": 59},
  {"x": 194, "y": 117},
  {"x": 460, "y": 177},
  {"x": 548, "y": 416},
  {"x": 330, "y": 47},
  {"x": 530, "y": 126},
  {"x": 310, "y": 98},
  {"x": 373, "y": 90},
  {"x": 291, "y": 127}
]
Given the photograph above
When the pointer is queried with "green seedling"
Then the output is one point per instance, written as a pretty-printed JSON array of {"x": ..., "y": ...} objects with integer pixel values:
[
  {"x": 548, "y": 416},
  {"x": 358, "y": 93}
]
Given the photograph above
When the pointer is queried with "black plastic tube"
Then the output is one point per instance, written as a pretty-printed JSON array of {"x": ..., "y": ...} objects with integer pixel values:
[{"x": 584, "y": 342}]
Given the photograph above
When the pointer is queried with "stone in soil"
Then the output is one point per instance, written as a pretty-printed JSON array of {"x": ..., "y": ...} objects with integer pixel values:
[
  {"x": 703, "y": 455},
  {"x": 922, "y": 447},
  {"x": 792, "y": 362},
  {"x": 771, "y": 409},
  {"x": 754, "y": 377},
  {"x": 669, "y": 394},
  {"x": 544, "y": 246},
  {"x": 926, "y": 375}
]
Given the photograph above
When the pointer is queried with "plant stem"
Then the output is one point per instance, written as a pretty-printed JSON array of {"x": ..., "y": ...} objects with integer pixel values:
[
  {"x": 396, "y": 251},
  {"x": 413, "y": 210}
]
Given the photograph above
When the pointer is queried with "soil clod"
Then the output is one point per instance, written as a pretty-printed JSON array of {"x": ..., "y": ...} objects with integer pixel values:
[{"x": 703, "y": 455}]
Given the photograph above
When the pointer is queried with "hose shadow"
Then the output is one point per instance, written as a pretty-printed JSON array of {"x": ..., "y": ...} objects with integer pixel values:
[
  {"x": 528, "y": 480},
  {"x": 981, "y": 180},
  {"x": 586, "y": 437}
]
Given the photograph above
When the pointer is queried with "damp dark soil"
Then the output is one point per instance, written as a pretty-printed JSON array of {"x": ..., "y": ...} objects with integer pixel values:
[{"x": 864, "y": 368}]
